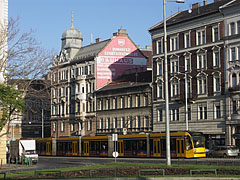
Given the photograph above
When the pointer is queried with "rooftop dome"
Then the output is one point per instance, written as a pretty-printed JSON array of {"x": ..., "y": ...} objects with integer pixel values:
[{"x": 72, "y": 33}]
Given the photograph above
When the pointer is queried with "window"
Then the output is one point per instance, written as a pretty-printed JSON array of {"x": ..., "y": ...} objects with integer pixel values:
[
  {"x": 175, "y": 115},
  {"x": 189, "y": 89},
  {"x": 217, "y": 111},
  {"x": 62, "y": 126},
  {"x": 160, "y": 68},
  {"x": 83, "y": 107},
  {"x": 72, "y": 127},
  {"x": 129, "y": 101},
  {"x": 174, "y": 87},
  {"x": 130, "y": 122},
  {"x": 215, "y": 33},
  {"x": 115, "y": 123},
  {"x": 54, "y": 127},
  {"x": 202, "y": 85},
  {"x": 159, "y": 115},
  {"x": 107, "y": 104},
  {"x": 146, "y": 122},
  {"x": 201, "y": 61},
  {"x": 146, "y": 100},
  {"x": 160, "y": 89},
  {"x": 238, "y": 27},
  {"x": 138, "y": 102},
  {"x": 173, "y": 43},
  {"x": 114, "y": 103},
  {"x": 216, "y": 59},
  {"x": 186, "y": 40},
  {"x": 159, "y": 46},
  {"x": 238, "y": 49},
  {"x": 108, "y": 123},
  {"x": 101, "y": 104},
  {"x": 216, "y": 81},
  {"x": 202, "y": 112},
  {"x": 187, "y": 64},
  {"x": 100, "y": 123},
  {"x": 122, "y": 102},
  {"x": 232, "y": 28},
  {"x": 233, "y": 54},
  {"x": 189, "y": 113},
  {"x": 174, "y": 65},
  {"x": 235, "y": 107},
  {"x": 138, "y": 121},
  {"x": 89, "y": 124},
  {"x": 89, "y": 69},
  {"x": 201, "y": 37},
  {"x": 122, "y": 122},
  {"x": 234, "y": 80}
]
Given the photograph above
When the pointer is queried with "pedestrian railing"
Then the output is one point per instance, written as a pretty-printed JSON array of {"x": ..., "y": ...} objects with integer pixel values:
[
  {"x": 150, "y": 170},
  {"x": 203, "y": 170}
]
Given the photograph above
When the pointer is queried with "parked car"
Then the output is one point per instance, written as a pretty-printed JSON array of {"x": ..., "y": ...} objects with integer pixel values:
[{"x": 224, "y": 151}]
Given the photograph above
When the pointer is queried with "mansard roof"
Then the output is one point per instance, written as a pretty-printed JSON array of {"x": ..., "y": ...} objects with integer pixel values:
[
  {"x": 90, "y": 51},
  {"x": 196, "y": 13}
]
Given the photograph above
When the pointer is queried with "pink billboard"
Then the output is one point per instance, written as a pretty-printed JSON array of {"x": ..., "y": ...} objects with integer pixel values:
[{"x": 118, "y": 56}]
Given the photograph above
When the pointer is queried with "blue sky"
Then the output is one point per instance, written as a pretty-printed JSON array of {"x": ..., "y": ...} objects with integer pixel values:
[{"x": 49, "y": 18}]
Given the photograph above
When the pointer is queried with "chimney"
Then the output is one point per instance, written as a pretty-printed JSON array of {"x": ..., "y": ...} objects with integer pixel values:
[
  {"x": 98, "y": 40},
  {"x": 148, "y": 47},
  {"x": 122, "y": 32},
  {"x": 205, "y": 2},
  {"x": 195, "y": 5}
]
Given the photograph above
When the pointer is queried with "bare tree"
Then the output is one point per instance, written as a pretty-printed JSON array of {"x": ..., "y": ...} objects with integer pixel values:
[{"x": 21, "y": 58}]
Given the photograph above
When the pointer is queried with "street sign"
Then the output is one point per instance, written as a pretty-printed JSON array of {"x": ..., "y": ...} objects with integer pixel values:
[
  {"x": 114, "y": 137},
  {"x": 115, "y": 154}
]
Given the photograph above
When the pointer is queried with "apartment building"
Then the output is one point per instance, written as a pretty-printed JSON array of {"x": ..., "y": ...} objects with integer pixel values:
[
  {"x": 124, "y": 106},
  {"x": 79, "y": 70},
  {"x": 196, "y": 46},
  {"x": 232, "y": 71}
]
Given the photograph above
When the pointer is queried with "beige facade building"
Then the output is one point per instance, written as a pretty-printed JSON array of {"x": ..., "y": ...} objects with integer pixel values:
[{"x": 124, "y": 106}]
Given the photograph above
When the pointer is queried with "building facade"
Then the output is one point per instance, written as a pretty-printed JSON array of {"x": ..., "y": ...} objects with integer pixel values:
[
  {"x": 3, "y": 32},
  {"x": 196, "y": 47},
  {"x": 232, "y": 73},
  {"x": 79, "y": 70},
  {"x": 3, "y": 23},
  {"x": 124, "y": 106}
]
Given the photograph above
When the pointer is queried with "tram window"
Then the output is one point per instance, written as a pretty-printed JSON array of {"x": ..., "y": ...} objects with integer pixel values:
[
  {"x": 173, "y": 144},
  {"x": 92, "y": 145},
  {"x": 178, "y": 147},
  {"x": 97, "y": 146},
  {"x": 128, "y": 145},
  {"x": 70, "y": 146},
  {"x": 104, "y": 146},
  {"x": 134, "y": 145},
  {"x": 163, "y": 144},
  {"x": 142, "y": 145},
  {"x": 182, "y": 143},
  {"x": 188, "y": 143}
]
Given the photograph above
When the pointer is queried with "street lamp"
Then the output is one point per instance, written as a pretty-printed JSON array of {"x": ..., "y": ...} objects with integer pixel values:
[
  {"x": 168, "y": 155},
  {"x": 186, "y": 99}
]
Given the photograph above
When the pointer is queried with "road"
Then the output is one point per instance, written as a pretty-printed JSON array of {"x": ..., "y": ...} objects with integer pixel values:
[{"x": 46, "y": 162}]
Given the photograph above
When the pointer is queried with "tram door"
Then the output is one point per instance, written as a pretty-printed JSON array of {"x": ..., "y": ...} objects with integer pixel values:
[
  {"x": 48, "y": 148},
  {"x": 74, "y": 148},
  {"x": 180, "y": 148},
  {"x": 156, "y": 148},
  {"x": 86, "y": 148},
  {"x": 120, "y": 149}
]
